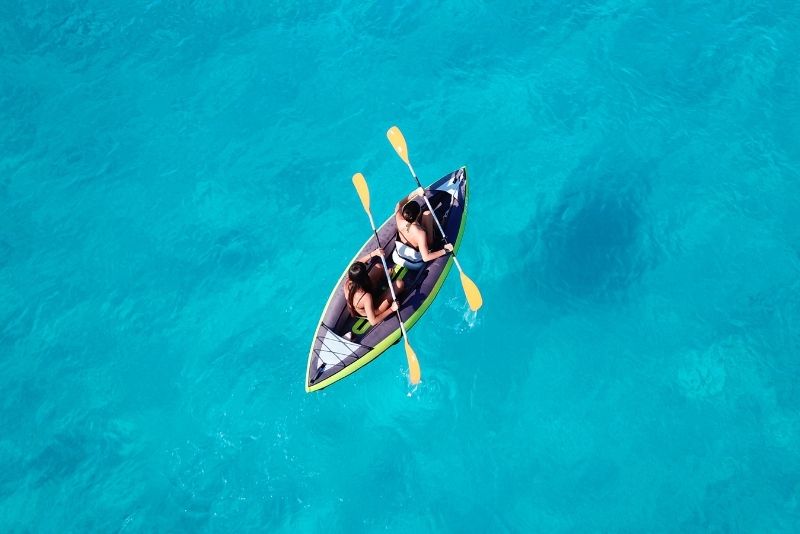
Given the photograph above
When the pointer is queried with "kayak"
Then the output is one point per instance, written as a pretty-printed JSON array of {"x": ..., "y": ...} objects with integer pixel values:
[{"x": 342, "y": 343}]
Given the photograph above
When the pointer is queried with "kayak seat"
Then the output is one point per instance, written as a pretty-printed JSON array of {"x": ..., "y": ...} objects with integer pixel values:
[{"x": 407, "y": 256}]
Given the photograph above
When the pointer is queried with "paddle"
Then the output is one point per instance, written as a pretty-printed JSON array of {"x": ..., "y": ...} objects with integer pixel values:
[
  {"x": 397, "y": 140},
  {"x": 363, "y": 193}
]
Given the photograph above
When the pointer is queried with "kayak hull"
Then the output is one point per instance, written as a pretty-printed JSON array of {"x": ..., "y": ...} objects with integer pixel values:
[{"x": 342, "y": 343}]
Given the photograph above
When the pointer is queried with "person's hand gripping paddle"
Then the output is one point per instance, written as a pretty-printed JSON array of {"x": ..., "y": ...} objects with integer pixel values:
[{"x": 397, "y": 140}]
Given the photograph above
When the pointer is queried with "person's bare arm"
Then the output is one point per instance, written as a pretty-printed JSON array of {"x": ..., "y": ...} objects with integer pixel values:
[
  {"x": 371, "y": 317},
  {"x": 376, "y": 252},
  {"x": 424, "y": 251}
]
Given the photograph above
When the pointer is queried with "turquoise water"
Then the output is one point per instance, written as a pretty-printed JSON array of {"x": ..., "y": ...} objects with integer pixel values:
[{"x": 175, "y": 206}]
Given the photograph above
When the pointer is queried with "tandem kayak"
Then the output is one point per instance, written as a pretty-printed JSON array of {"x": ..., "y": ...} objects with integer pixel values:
[{"x": 342, "y": 343}]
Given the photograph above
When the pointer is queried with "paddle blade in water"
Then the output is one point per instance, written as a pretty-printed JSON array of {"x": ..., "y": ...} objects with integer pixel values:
[
  {"x": 398, "y": 142},
  {"x": 363, "y": 191},
  {"x": 474, "y": 297},
  {"x": 413, "y": 365}
]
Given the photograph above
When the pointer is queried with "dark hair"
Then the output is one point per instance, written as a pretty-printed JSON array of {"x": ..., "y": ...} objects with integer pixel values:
[
  {"x": 358, "y": 274},
  {"x": 411, "y": 211}
]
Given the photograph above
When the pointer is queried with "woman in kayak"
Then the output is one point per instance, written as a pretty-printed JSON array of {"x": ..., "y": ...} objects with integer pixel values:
[
  {"x": 415, "y": 229},
  {"x": 366, "y": 291}
]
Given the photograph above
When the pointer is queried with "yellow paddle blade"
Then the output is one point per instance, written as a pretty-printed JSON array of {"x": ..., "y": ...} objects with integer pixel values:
[
  {"x": 398, "y": 142},
  {"x": 413, "y": 365},
  {"x": 363, "y": 191},
  {"x": 474, "y": 297}
]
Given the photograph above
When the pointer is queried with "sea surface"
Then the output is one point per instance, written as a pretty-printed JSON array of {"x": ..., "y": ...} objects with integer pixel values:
[{"x": 176, "y": 206}]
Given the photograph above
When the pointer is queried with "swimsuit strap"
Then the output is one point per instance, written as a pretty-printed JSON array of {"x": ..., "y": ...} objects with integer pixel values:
[
  {"x": 357, "y": 302},
  {"x": 363, "y": 294}
]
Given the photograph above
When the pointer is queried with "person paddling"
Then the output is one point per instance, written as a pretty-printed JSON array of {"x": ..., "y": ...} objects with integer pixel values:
[
  {"x": 415, "y": 233},
  {"x": 366, "y": 291}
]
